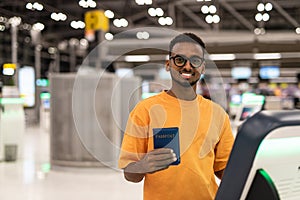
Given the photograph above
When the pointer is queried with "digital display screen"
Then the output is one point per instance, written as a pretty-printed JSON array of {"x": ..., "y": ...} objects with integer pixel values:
[
  {"x": 42, "y": 82},
  {"x": 236, "y": 99},
  {"x": 241, "y": 72},
  {"x": 45, "y": 99},
  {"x": 27, "y": 85},
  {"x": 269, "y": 72},
  {"x": 246, "y": 113}
]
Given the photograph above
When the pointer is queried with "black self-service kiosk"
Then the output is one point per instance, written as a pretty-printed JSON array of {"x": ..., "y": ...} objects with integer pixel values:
[{"x": 265, "y": 160}]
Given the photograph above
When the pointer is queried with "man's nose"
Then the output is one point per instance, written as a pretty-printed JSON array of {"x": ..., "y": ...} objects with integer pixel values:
[{"x": 188, "y": 66}]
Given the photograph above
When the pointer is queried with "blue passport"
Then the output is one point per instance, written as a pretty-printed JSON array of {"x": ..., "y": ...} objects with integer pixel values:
[{"x": 167, "y": 138}]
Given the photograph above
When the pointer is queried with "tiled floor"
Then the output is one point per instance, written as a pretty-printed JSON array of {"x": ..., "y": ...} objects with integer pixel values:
[{"x": 32, "y": 178}]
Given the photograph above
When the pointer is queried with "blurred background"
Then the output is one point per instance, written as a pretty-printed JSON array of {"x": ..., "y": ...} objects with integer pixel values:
[{"x": 65, "y": 64}]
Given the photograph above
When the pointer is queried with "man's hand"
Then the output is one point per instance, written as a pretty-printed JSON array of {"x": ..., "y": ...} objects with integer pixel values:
[
  {"x": 153, "y": 161},
  {"x": 156, "y": 160}
]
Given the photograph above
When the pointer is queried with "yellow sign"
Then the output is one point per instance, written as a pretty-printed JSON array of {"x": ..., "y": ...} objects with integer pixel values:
[
  {"x": 96, "y": 20},
  {"x": 9, "y": 65}
]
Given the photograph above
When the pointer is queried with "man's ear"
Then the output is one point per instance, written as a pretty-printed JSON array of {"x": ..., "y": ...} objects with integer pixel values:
[
  {"x": 203, "y": 68},
  {"x": 167, "y": 64}
]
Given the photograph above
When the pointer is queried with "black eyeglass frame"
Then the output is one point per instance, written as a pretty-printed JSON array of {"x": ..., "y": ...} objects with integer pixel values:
[{"x": 187, "y": 59}]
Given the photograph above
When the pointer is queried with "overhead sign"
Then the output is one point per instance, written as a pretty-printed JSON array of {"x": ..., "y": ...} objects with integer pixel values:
[
  {"x": 96, "y": 20},
  {"x": 9, "y": 65},
  {"x": 9, "y": 69}
]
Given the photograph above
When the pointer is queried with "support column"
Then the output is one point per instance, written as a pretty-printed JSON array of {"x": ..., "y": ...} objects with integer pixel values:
[
  {"x": 100, "y": 57},
  {"x": 37, "y": 63},
  {"x": 14, "y": 50},
  {"x": 73, "y": 43}
]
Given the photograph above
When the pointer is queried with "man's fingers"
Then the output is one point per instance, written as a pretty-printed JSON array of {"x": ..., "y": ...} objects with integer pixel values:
[
  {"x": 162, "y": 151},
  {"x": 162, "y": 157},
  {"x": 158, "y": 159}
]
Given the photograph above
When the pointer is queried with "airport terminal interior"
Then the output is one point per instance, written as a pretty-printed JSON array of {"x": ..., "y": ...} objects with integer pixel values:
[{"x": 71, "y": 71}]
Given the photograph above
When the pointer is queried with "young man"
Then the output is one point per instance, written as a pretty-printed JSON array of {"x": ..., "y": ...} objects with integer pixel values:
[{"x": 205, "y": 136}]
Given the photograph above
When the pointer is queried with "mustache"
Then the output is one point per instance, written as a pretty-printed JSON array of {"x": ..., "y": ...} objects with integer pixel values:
[{"x": 188, "y": 72}]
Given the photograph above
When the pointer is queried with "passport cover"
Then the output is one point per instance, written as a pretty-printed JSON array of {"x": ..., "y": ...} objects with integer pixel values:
[{"x": 167, "y": 138}]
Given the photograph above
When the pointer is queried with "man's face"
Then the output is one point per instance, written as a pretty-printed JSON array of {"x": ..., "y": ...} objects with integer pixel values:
[{"x": 186, "y": 75}]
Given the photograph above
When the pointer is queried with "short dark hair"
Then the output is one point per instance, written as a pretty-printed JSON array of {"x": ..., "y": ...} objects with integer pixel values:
[{"x": 186, "y": 37}]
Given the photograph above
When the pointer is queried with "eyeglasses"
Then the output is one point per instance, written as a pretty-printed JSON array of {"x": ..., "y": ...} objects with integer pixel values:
[{"x": 180, "y": 60}]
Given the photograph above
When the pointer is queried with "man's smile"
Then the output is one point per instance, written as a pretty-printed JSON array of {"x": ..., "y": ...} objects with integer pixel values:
[{"x": 186, "y": 75}]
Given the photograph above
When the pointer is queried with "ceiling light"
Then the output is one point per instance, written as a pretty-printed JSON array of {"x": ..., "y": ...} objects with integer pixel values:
[
  {"x": 152, "y": 12},
  {"x": 209, "y": 19},
  {"x": 74, "y": 42},
  {"x": 260, "y": 7},
  {"x": 142, "y": 35},
  {"x": 25, "y": 26},
  {"x": 143, "y": 2},
  {"x": 15, "y": 21},
  {"x": 124, "y": 22},
  {"x": 3, "y": 19},
  {"x": 87, "y": 4},
  {"x": 2, "y": 27},
  {"x": 298, "y": 30},
  {"x": 268, "y": 7},
  {"x": 83, "y": 4},
  {"x": 52, "y": 50},
  {"x": 216, "y": 19},
  {"x": 159, "y": 12},
  {"x": 62, "y": 16},
  {"x": 63, "y": 45},
  {"x": 109, "y": 14},
  {"x": 58, "y": 16},
  {"x": 161, "y": 21},
  {"x": 148, "y": 2},
  {"x": 266, "y": 17},
  {"x": 120, "y": 22},
  {"x": 204, "y": 9},
  {"x": 38, "y": 26},
  {"x": 257, "y": 31},
  {"x": 29, "y": 6},
  {"x": 137, "y": 58},
  {"x": 109, "y": 36},
  {"x": 267, "y": 56},
  {"x": 117, "y": 23},
  {"x": 165, "y": 21},
  {"x": 84, "y": 42},
  {"x": 139, "y": 2},
  {"x": 155, "y": 12},
  {"x": 169, "y": 21},
  {"x": 92, "y": 3},
  {"x": 212, "y": 9},
  {"x": 146, "y": 35},
  {"x": 34, "y": 6},
  {"x": 222, "y": 56},
  {"x": 77, "y": 24},
  {"x": 139, "y": 35},
  {"x": 54, "y": 16},
  {"x": 258, "y": 17},
  {"x": 38, "y": 6}
]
